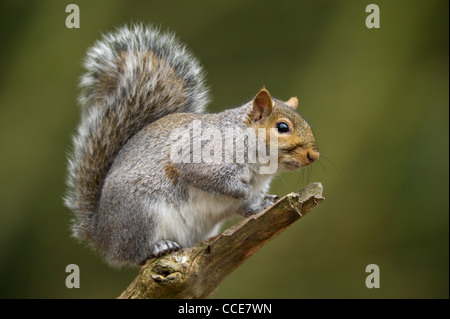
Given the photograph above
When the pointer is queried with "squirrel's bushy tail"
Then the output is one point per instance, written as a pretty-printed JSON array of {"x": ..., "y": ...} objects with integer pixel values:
[{"x": 134, "y": 76}]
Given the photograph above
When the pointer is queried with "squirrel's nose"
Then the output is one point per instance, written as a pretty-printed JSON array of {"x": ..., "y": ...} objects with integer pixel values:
[{"x": 312, "y": 155}]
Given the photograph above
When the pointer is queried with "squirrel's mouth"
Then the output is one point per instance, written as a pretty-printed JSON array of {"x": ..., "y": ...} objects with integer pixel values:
[
  {"x": 299, "y": 157},
  {"x": 291, "y": 165}
]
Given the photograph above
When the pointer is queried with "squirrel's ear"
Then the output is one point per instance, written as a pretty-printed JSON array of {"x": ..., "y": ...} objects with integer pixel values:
[
  {"x": 262, "y": 105},
  {"x": 293, "y": 102}
]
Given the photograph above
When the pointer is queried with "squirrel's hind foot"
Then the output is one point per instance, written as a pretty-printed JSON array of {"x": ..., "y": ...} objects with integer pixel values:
[{"x": 164, "y": 247}]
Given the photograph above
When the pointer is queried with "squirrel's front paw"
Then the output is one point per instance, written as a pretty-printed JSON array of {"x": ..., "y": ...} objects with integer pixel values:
[
  {"x": 272, "y": 199},
  {"x": 164, "y": 247},
  {"x": 268, "y": 201}
]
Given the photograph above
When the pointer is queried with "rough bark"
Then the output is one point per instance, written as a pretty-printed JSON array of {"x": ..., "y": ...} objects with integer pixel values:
[{"x": 197, "y": 271}]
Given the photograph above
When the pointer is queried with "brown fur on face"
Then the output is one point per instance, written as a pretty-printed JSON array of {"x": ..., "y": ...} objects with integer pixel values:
[{"x": 297, "y": 147}]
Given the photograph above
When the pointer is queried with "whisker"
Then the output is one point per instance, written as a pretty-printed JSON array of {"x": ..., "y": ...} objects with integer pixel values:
[
  {"x": 298, "y": 180},
  {"x": 283, "y": 180},
  {"x": 309, "y": 175},
  {"x": 338, "y": 157},
  {"x": 333, "y": 165},
  {"x": 322, "y": 165},
  {"x": 320, "y": 141}
]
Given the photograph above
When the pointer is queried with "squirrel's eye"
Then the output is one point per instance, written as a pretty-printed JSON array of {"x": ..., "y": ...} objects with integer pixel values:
[{"x": 282, "y": 127}]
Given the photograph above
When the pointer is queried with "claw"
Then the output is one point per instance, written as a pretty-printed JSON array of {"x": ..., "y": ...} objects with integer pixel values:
[
  {"x": 272, "y": 198},
  {"x": 164, "y": 247}
]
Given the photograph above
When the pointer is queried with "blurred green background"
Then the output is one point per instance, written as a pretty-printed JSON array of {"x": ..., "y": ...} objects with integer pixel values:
[{"x": 377, "y": 99}]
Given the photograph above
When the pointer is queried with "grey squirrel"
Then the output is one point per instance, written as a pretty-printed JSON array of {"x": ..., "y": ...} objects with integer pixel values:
[{"x": 130, "y": 198}]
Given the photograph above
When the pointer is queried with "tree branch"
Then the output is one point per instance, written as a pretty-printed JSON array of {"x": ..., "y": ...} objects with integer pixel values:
[{"x": 197, "y": 271}]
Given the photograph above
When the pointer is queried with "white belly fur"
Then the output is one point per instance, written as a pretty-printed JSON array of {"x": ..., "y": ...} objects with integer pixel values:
[
  {"x": 193, "y": 222},
  {"x": 201, "y": 216}
]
